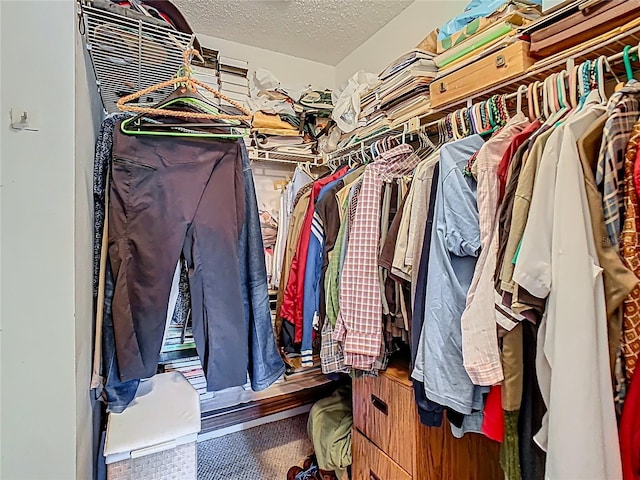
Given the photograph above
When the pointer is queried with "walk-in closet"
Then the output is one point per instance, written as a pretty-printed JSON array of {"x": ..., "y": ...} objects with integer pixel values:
[{"x": 319, "y": 240}]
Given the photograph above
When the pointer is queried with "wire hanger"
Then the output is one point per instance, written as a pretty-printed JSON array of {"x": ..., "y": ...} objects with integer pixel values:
[
  {"x": 306, "y": 168},
  {"x": 187, "y": 95}
]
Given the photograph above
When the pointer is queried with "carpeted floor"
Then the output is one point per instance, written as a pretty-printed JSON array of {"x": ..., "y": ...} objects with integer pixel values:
[{"x": 260, "y": 453}]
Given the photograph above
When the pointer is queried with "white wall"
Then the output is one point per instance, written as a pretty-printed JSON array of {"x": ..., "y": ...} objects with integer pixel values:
[
  {"x": 290, "y": 70},
  {"x": 401, "y": 34},
  {"x": 43, "y": 312}
]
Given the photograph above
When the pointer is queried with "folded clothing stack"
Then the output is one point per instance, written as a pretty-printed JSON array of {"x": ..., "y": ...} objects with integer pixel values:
[
  {"x": 297, "y": 133},
  {"x": 402, "y": 92}
]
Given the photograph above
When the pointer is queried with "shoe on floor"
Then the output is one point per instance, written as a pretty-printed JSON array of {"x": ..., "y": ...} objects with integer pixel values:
[
  {"x": 309, "y": 462},
  {"x": 293, "y": 472}
]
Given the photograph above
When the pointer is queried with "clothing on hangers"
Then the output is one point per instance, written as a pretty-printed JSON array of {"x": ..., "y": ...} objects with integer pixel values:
[
  {"x": 360, "y": 310},
  {"x": 266, "y": 365},
  {"x": 455, "y": 245},
  {"x": 468, "y": 270},
  {"x": 479, "y": 342},
  {"x": 558, "y": 243},
  {"x": 623, "y": 112}
]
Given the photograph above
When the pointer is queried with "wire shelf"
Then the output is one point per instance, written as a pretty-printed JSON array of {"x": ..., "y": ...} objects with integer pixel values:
[
  {"x": 129, "y": 54},
  {"x": 280, "y": 157},
  {"x": 367, "y": 141}
]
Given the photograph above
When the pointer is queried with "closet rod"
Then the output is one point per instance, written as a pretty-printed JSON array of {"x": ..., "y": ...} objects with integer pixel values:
[{"x": 312, "y": 161}]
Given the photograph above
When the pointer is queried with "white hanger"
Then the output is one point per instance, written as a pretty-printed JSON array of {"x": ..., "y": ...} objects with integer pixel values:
[{"x": 521, "y": 89}]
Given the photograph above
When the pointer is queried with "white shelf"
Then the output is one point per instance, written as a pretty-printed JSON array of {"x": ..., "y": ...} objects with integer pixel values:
[{"x": 279, "y": 157}]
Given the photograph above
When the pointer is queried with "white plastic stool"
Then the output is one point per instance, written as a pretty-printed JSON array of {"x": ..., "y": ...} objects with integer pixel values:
[{"x": 155, "y": 437}]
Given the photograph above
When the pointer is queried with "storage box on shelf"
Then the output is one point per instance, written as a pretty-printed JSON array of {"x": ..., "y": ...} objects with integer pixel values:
[
  {"x": 486, "y": 72},
  {"x": 390, "y": 443},
  {"x": 582, "y": 25},
  {"x": 610, "y": 43}
]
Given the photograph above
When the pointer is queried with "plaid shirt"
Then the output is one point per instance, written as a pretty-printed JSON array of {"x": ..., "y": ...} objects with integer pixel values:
[
  {"x": 359, "y": 324},
  {"x": 331, "y": 355},
  {"x": 479, "y": 336},
  {"x": 623, "y": 110}
]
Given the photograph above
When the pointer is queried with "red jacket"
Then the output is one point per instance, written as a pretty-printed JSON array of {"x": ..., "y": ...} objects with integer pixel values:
[
  {"x": 630, "y": 431},
  {"x": 516, "y": 142},
  {"x": 292, "y": 302}
]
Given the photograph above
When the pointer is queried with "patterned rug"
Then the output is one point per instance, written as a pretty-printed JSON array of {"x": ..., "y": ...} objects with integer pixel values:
[{"x": 260, "y": 453}]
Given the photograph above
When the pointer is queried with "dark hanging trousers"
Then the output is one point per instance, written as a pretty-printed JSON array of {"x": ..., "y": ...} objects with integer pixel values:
[{"x": 173, "y": 195}]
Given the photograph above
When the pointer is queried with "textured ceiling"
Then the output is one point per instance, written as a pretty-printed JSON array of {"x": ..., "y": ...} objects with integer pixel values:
[{"x": 322, "y": 30}]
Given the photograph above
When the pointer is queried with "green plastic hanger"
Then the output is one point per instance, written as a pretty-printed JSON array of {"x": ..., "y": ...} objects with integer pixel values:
[
  {"x": 214, "y": 118},
  {"x": 492, "y": 120},
  {"x": 180, "y": 97},
  {"x": 626, "y": 58}
]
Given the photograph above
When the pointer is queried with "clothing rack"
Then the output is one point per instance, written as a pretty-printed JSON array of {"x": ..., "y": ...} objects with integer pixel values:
[{"x": 611, "y": 48}]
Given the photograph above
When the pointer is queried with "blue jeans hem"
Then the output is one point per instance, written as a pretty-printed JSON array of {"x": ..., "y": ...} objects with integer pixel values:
[{"x": 264, "y": 384}]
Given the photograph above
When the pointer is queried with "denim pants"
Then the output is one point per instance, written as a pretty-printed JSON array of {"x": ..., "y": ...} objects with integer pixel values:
[
  {"x": 265, "y": 362},
  {"x": 117, "y": 394},
  {"x": 171, "y": 196}
]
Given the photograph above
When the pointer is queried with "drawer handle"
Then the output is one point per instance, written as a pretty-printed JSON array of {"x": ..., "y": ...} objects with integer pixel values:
[
  {"x": 501, "y": 61},
  {"x": 373, "y": 476},
  {"x": 379, "y": 404},
  {"x": 443, "y": 87}
]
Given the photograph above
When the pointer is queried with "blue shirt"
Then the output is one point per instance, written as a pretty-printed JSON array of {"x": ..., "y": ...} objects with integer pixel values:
[
  {"x": 455, "y": 245},
  {"x": 312, "y": 275}
]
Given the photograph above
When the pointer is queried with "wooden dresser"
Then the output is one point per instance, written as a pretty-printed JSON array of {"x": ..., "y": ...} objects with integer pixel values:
[{"x": 390, "y": 443}]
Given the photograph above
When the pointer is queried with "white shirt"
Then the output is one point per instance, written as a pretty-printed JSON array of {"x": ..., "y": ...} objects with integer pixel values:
[{"x": 558, "y": 258}]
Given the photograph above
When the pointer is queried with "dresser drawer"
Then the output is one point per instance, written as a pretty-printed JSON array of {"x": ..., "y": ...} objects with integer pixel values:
[
  {"x": 384, "y": 411},
  {"x": 370, "y": 463}
]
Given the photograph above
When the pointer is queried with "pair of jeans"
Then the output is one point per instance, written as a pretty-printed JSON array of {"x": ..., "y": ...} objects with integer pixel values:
[
  {"x": 265, "y": 362},
  {"x": 172, "y": 196},
  {"x": 117, "y": 394}
]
